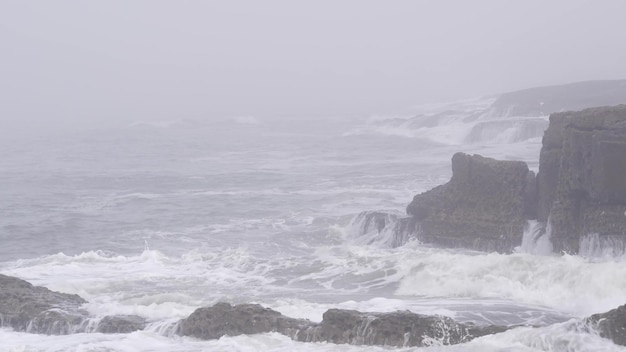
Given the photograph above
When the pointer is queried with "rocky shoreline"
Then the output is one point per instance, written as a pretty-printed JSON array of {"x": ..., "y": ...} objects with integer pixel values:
[
  {"x": 33, "y": 309},
  {"x": 578, "y": 195}
]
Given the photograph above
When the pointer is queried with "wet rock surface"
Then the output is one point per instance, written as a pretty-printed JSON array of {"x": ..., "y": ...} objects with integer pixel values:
[
  {"x": 398, "y": 329},
  {"x": 119, "y": 324},
  {"x": 29, "y": 308},
  {"x": 35, "y": 309},
  {"x": 611, "y": 325},
  {"x": 338, "y": 326},
  {"x": 483, "y": 207},
  {"x": 224, "y": 319},
  {"x": 580, "y": 190},
  {"x": 582, "y": 177}
]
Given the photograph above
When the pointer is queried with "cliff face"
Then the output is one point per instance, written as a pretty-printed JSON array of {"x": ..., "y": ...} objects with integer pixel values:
[
  {"x": 580, "y": 191},
  {"x": 582, "y": 176},
  {"x": 483, "y": 207}
]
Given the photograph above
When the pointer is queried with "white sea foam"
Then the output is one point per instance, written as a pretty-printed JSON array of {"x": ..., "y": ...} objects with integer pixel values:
[
  {"x": 536, "y": 239},
  {"x": 568, "y": 283},
  {"x": 468, "y": 121}
]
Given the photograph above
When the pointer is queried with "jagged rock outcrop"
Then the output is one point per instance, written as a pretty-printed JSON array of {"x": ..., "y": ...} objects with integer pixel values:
[
  {"x": 611, "y": 325},
  {"x": 29, "y": 308},
  {"x": 35, "y": 309},
  {"x": 582, "y": 177},
  {"x": 484, "y": 206},
  {"x": 580, "y": 190},
  {"x": 338, "y": 326}
]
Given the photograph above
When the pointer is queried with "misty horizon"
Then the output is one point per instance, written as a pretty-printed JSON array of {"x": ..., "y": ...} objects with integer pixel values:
[{"x": 143, "y": 60}]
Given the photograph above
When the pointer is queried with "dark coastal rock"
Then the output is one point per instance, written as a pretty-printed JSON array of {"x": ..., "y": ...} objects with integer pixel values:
[
  {"x": 401, "y": 328},
  {"x": 225, "y": 319},
  {"x": 29, "y": 308},
  {"x": 338, "y": 326},
  {"x": 611, "y": 325},
  {"x": 35, "y": 309},
  {"x": 484, "y": 206},
  {"x": 582, "y": 177},
  {"x": 120, "y": 324}
]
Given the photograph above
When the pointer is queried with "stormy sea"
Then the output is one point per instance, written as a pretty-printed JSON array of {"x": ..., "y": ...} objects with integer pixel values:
[{"x": 159, "y": 218}]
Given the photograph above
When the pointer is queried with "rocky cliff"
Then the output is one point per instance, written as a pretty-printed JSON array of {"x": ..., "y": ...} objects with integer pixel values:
[
  {"x": 580, "y": 192},
  {"x": 582, "y": 177},
  {"x": 484, "y": 206}
]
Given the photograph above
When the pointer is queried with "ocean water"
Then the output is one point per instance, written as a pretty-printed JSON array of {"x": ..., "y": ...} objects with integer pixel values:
[{"x": 159, "y": 218}]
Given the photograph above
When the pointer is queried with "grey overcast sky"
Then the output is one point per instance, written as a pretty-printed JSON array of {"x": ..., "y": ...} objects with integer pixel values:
[{"x": 195, "y": 59}]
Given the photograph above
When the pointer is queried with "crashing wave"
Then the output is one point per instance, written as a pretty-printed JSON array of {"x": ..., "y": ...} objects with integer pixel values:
[
  {"x": 386, "y": 229},
  {"x": 469, "y": 121}
]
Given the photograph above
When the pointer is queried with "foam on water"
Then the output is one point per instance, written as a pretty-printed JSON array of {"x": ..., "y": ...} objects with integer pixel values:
[
  {"x": 569, "y": 336},
  {"x": 536, "y": 239},
  {"x": 464, "y": 122},
  {"x": 606, "y": 246},
  {"x": 568, "y": 283}
]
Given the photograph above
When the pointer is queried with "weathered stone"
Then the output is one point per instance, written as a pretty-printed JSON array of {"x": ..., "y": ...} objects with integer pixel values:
[
  {"x": 401, "y": 328},
  {"x": 116, "y": 324},
  {"x": 35, "y": 309},
  {"x": 225, "y": 319},
  {"x": 29, "y": 308},
  {"x": 338, "y": 326},
  {"x": 611, "y": 325},
  {"x": 582, "y": 176},
  {"x": 484, "y": 206}
]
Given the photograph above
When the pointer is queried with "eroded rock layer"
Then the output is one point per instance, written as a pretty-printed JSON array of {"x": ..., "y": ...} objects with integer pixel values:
[
  {"x": 484, "y": 206},
  {"x": 582, "y": 177}
]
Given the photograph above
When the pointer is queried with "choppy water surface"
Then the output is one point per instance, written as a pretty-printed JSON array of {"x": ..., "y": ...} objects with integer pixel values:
[{"x": 158, "y": 219}]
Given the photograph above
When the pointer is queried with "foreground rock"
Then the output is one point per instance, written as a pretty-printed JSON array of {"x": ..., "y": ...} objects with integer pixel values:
[
  {"x": 120, "y": 324},
  {"x": 338, "y": 326},
  {"x": 34, "y": 309},
  {"x": 25, "y": 307},
  {"x": 582, "y": 180},
  {"x": 484, "y": 206},
  {"x": 397, "y": 329},
  {"x": 223, "y": 319},
  {"x": 611, "y": 325}
]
